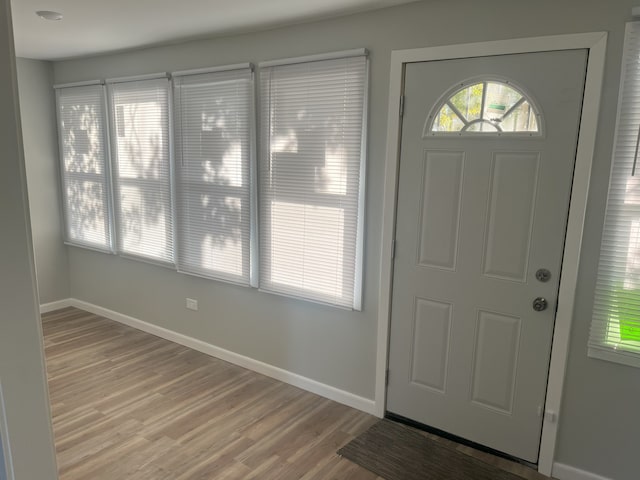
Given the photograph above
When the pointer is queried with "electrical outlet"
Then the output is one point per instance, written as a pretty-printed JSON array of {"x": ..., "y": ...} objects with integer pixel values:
[{"x": 192, "y": 304}]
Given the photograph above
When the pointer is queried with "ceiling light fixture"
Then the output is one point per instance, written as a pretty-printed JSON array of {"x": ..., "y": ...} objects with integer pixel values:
[{"x": 49, "y": 15}]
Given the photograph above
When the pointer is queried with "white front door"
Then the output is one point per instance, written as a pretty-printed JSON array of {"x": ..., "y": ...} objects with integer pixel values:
[{"x": 479, "y": 214}]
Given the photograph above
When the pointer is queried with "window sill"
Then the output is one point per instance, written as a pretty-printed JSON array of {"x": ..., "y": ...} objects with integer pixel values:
[
  {"x": 617, "y": 356},
  {"x": 88, "y": 247}
]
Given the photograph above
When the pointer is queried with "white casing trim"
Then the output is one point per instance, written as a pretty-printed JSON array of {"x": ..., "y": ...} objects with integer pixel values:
[
  {"x": 305, "y": 383},
  {"x": 567, "y": 472},
  {"x": 4, "y": 442}
]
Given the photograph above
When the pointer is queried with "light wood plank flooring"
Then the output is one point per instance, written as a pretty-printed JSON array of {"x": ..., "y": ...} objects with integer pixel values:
[{"x": 129, "y": 405}]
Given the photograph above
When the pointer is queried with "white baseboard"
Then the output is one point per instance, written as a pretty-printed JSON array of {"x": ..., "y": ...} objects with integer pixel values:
[
  {"x": 57, "y": 305},
  {"x": 567, "y": 472},
  {"x": 308, "y": 384}
]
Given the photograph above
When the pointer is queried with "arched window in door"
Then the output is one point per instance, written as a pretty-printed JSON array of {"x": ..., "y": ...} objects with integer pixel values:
[{"x": 484, "y": 107}]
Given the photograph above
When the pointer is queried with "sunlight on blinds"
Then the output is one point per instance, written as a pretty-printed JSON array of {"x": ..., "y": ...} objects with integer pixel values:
[
  {"x": 213, "y": 151},
  {"x": 311, "y": 179},
  {"x": 615, "y": 326},
  {"x": 142, "y": 173},
  {"x": 81, "y": 126}
]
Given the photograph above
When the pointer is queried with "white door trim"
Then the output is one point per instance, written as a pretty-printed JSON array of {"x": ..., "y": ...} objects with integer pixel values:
[
  {"x": 596, "y": 44},
  {"x": 5, "y": 454}
]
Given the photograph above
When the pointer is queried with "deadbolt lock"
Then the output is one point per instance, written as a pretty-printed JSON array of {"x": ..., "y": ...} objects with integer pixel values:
[
  {"x": 540, "y": 304},
  {"x": 543, "y": 275}
]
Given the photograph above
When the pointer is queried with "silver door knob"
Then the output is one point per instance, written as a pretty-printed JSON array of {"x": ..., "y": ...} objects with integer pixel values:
[{"x": 540, "y": 304}]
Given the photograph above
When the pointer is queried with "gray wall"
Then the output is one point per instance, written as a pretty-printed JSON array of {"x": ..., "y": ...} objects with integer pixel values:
[
  {"x": 600, "y": 419},
  {"x": 21, "y": 358},
  {"x": 37, "y": 108}
]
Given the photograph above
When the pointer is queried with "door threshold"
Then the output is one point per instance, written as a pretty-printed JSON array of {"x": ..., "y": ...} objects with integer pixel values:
[{"x": 454, "y": 438}]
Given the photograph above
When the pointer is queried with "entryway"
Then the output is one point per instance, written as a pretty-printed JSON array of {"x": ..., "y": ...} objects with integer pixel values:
[{"x": 488, "y": 148}]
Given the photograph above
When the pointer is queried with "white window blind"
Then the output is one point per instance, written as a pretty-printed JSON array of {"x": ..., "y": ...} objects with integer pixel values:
[
  {"x": 615, "y": 327},
  {"x": 85, "y": 179},
  {"x": 213, "y": 165},
  {"x": 142, "y": 170},
  {"x": 311, "y": 179}
]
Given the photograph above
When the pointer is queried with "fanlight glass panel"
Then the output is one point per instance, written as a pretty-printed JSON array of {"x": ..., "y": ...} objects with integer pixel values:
[{"x": 486, "y": 107}]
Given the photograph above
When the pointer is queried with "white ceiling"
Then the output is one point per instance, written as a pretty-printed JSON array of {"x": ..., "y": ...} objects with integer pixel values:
[{"x": 97, "y": 26}]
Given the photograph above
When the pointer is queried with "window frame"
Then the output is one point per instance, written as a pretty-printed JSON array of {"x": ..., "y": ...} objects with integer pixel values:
[
  {"x": 617, "y": 225},
  {"x": 318, "y": 199},
  {"x": 235, "y": 192},
  {"x": 109, "y": 220},
  {"x": 355, "y": 191},
  {"x": 468, "y": 82},
  {"x": 117, "y": 207}
]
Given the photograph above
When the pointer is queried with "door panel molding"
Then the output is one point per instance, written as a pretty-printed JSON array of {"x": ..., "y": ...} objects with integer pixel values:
[
  {"x": 446, "y": 167},
  {"x": 523, "y": 188},
  {"x": 496, "y": 349},
  {"x": 595, "y": 43},
  {"x": 433, "y": 371}
]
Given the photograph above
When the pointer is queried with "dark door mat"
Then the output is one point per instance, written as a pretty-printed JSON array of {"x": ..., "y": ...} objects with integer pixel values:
[{"x": 398, "y": 452}]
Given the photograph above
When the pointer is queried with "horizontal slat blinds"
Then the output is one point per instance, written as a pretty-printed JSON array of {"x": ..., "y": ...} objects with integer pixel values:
[
  {"x": 213, "y": 114},
  {"x": 615, "y": 327},
  {"x": 311, "y": 180},
  {"x": 85, "y": 187},
  {"x": 142, "y": 170}
]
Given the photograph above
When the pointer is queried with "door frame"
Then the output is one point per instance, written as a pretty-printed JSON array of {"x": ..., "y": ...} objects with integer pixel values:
[{"x": 595, "y": 43}]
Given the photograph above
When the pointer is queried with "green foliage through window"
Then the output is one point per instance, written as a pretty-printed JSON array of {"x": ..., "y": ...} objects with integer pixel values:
[{"x": 486, "y": 107}]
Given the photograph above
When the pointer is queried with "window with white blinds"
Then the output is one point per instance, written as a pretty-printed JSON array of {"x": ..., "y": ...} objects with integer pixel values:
[
  {"x": 615, "y": 327},
  {"x": 85, "y": 180},
  {"x": 312, "y": 178},
  {"x": 141, "y": 168},
  {"x": 213, "y": 126}
]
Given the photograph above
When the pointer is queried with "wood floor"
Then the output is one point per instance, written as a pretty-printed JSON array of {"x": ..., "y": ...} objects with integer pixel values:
[{"x": 129, "y": 405}]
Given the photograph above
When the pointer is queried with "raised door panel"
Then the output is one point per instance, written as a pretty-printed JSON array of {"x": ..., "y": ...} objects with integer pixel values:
[
  {"x": 495, "y": 360},
  {"x": 440, "y": 209},
  {"x": 430, "y": 355},
  {"x": 510, "y": 212}
]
